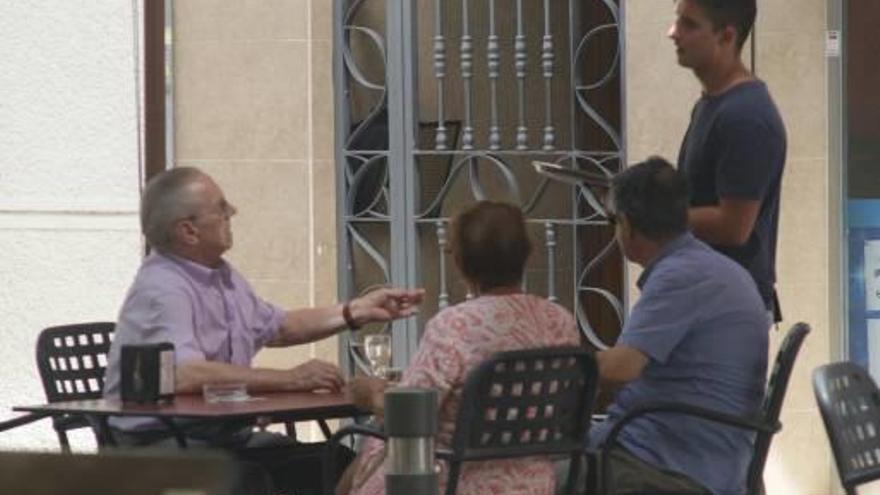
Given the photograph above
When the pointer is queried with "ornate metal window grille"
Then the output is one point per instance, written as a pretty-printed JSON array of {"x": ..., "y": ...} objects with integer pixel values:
[{"x": 443, "y": 102}]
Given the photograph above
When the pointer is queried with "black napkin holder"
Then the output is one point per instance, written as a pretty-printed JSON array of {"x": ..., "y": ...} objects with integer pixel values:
[{"x": 147, "y": 373}]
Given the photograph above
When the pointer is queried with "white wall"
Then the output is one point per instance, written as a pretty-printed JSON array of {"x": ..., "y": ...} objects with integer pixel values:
[{"x": 69, "y": 176}]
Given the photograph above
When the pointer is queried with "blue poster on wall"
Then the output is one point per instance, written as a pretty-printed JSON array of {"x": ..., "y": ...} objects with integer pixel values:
[{"x": 863, "y": 220}]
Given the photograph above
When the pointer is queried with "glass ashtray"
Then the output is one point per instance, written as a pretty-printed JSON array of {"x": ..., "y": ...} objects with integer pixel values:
[{"x": 225, "y": 392}]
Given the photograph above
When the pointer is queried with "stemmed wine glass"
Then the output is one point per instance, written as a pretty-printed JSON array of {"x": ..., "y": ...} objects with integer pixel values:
[{"x": 377, "y": 347}]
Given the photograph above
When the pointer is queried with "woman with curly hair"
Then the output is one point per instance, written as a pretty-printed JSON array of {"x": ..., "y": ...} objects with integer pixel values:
[{"x": 490, "y": 247}]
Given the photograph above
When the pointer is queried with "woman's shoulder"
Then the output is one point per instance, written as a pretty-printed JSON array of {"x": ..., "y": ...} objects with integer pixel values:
[
  {"x": 547, "y": 308},
  {"x": 495, "y": 313},
  {"x": 507, "y": 302}
]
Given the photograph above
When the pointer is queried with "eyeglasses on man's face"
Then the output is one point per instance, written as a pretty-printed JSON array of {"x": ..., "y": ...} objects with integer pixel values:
[{"x": 222, "y": 208}]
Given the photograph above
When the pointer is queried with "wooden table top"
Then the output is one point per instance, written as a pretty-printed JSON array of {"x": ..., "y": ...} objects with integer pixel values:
[{"x": 293, "y": 406}]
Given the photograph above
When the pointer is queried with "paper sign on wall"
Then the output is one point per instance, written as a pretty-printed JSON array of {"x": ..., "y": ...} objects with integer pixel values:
[{"x": 832, "y": 43}]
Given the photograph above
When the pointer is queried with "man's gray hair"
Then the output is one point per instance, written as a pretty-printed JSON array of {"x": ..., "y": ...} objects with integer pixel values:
[{"x": 167, "y": 199}]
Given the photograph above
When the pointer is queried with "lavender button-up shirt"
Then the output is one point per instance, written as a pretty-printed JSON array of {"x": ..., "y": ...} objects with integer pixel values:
[{"x": 208, "y": 314}]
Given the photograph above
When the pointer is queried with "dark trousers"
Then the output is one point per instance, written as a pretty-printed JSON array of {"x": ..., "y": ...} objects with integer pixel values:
[
  {"x": 296, "y": 469},
  {"x": 632, "y": 476},
  {"x": 271, "y": 463}
]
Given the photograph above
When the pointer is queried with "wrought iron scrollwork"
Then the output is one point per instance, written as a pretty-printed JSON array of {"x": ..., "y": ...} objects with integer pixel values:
[{"x": 489, "y": 100}]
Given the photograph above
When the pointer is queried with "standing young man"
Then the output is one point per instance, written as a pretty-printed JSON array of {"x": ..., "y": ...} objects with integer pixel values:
[{"x": 734, "y": 151}]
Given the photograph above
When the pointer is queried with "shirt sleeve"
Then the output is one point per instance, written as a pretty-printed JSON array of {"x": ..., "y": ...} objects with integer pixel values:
[
  {"x": 747, "y": 165},
  {"x": 666, "y": 311},
  {"x": 267, "y": 321},
  {"x": 265, "y": 318}
]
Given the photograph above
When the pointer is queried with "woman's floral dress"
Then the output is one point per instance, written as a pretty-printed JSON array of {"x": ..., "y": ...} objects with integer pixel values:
[{"x": 455, "y": 341}]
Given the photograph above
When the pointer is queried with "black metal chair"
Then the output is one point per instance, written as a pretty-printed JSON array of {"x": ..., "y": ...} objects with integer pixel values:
[
  {"x": 524, "y": 403},
  {"x": 765, "y": 423},
  {"x": 72, "y": 360},
  {"x": 850, "y": 405}
]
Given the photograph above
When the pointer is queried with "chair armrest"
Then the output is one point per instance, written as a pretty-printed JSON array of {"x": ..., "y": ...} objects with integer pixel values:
[
  {"x": 329, "y": 464},
  {"x": 746, "y": 423},
  {"x": 350, "y": 430}
]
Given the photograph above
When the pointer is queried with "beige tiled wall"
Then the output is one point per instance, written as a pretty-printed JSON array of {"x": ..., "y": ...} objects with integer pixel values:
[
  {"x": 790, "y": 58},
  {"x": 253, "y": 107}
]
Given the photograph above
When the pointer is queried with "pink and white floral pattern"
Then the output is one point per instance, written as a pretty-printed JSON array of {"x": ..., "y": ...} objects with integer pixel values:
[{"x": 455, "y": 341}]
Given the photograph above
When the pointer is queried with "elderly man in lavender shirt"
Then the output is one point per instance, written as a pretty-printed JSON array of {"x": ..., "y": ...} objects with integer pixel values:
[
  {"x": 187, "y": 294},
  {"x": 696, "y": 335}
]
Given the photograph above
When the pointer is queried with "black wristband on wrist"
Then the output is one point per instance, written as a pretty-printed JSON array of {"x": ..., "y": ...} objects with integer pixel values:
[{"x": 346, "y": 315}]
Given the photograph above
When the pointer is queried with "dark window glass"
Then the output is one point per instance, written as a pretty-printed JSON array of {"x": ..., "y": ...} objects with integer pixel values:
[{"x": 863, "y": 99}]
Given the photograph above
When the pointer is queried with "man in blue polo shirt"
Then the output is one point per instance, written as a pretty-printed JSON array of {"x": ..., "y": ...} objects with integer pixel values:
[{"x": 697, "y": 335}]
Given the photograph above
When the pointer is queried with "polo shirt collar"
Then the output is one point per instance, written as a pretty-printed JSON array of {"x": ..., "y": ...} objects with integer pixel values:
[{"x": 667, "y": 249}]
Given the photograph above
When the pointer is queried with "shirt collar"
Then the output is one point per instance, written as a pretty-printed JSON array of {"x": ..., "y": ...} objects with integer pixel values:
[
  {"x": 200, "y": 273},
  {"x": 667, "y": 249}
]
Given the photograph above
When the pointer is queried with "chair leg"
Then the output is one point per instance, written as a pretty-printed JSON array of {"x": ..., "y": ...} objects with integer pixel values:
[
  {"x": 290, "y": 429},
  {"x": 592, "y": 474},
  {"x": 325, "y": 429},
  {"x": 574, "y": 469},
  {"x": 103, "y": 433},
  {"x": 63, "y": 441},
  {"x": 454, "y": 472}
]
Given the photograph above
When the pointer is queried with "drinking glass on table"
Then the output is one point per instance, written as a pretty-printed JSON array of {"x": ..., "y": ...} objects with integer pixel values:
[{"x": 377, "y": 347}]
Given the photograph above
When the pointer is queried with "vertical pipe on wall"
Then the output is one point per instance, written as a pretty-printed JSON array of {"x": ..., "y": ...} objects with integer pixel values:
[
  {"x": 838, "y": 295},
  {"x": 402, "y": 67},
  {"x": 342, "y": 116},
  {"x": 169, "y": 84}
]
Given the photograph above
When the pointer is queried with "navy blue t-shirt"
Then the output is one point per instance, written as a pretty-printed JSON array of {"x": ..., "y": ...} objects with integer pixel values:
[{"x": 735, "y": 149}]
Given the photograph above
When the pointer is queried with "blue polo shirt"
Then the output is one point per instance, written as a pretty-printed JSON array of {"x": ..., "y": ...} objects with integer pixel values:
[{"x": 703, "y": 326}]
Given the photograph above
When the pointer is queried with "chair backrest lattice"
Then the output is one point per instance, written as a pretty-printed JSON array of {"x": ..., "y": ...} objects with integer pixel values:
[
  {"x": 528, "y": 402},
  {"x": 850, "y": 405},
  {"x": 72, "y": 360}
]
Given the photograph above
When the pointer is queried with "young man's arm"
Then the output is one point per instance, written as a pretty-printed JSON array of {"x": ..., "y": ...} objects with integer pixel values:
[{"x": 728, "y": 224}]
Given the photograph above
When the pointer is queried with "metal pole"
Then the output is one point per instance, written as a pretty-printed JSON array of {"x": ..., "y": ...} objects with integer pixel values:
[{"x": 411, "y": 423}]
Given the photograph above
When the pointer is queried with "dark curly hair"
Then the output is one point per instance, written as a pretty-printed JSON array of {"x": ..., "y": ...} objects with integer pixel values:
[
  {"x": 490, "y": 244},
  {"x": 737, "y": 13},
  {"x": 653, "y": 196}
]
